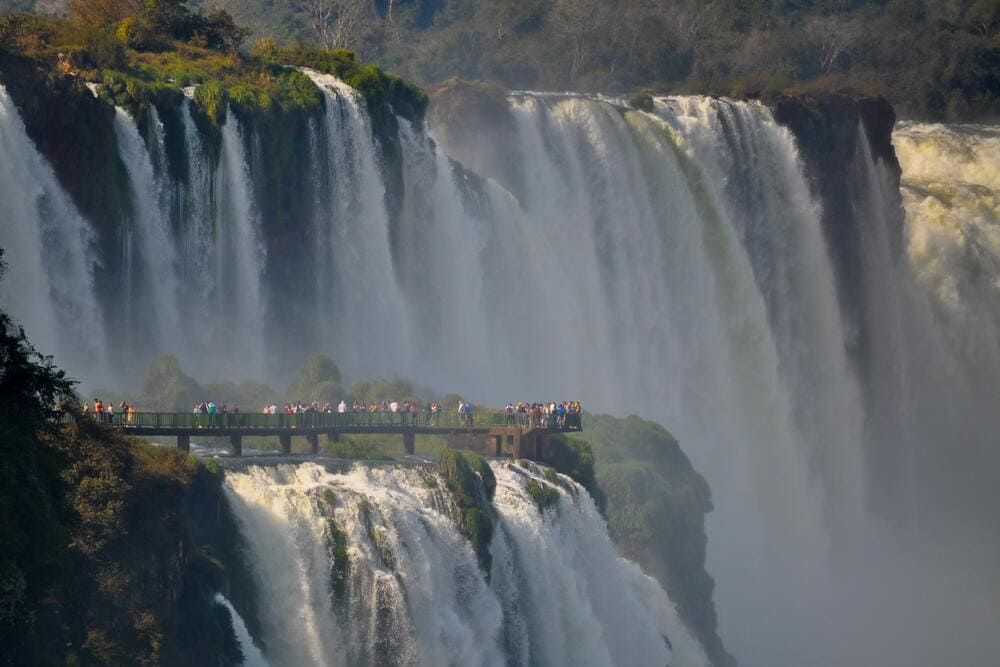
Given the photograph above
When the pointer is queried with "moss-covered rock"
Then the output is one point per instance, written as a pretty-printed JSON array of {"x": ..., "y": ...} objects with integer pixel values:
[
  {"x": 574, "y": 458},
  {"x": 641, "y": 101},
  {"x": 472, "y": 500},
  {"x": 656, "y": 507},
  {"x": 543, "y": 495}
]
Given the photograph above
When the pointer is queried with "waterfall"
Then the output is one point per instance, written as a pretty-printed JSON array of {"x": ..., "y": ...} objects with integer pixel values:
[
  {"x": 358, "y": 274},
  {"x": 151, "y": 228},
  {"x": 668, "y": 263},
  {"x": 405, "y": 586},
  {"x": 49, "y": 284},
  {"x": 252, "y": 656},
  {"x": 239, "y": 257}
]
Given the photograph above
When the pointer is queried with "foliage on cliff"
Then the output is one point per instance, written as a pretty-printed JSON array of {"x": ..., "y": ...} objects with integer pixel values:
[
  {"x": 146, "y": 52},
  {"x": 101, "y": 562},
  {"x": 932, "y": 59},
  {"x": 656, "y": 507}
]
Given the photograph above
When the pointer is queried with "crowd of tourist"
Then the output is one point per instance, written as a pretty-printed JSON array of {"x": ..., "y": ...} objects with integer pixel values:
[
  {"x": 210, "y": 408},
  {"x": 536, "y": 415},
  {"x": 561, "y": 415},
  {"x": 106, "y": 411}
]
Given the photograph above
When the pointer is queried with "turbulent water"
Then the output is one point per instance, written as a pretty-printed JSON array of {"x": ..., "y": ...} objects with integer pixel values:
[
  {"x": 407, "y": 588},
  {"x": 668, "y": 263}
]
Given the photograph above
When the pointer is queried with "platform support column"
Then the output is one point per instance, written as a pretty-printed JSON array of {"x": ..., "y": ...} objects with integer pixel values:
[
  {"x": 236, "y": 445},
  {"x": 409, "y": 442},
  {"x": 333, "y": 437},
  {"x": 540, "y": 446},
  {"x": 313, "y": 440},
  {"x": 497, "y": 445},
  {"x": 286, "y": 443},
  {"x": 184, "y": 443},
  {"x": 521, "y": 447}
]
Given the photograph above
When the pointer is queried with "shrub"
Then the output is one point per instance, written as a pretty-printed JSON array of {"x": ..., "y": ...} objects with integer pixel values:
[
  {"x": 212, "y": 99},
  {"x": 265, "y": 49},
  {"x": 101, "y": 49}
]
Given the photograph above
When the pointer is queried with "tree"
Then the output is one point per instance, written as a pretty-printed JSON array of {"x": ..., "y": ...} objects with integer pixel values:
[
  {"x": 34, "y": 517},
  {"x": 581, "y": 23},
  {"x": 832, "y": 37},
  {"x": 219, "y": 31},
  {"x": 334, "y": 22},
  {"x": 318, "y": 380},
  {"x": 984, "y": 17},
  {"x": 104, "y": 12},
  {"x": 168, "y": 388}
]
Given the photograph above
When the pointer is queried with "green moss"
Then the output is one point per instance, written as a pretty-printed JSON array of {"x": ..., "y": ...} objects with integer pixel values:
[
  {"x": 376, "y": 535},
  {"x": 574, "y": 458},
  {"x": 357, "y": 449},
  {"x": 641, "y": 101},
  {"x": 384, "y": 93},
  {"x": 211, "y": 97},
  {"x": 214, "y": 468},
  {"x": 482, "y": 467},
  {"x": 336, "y": 544},
  {"x": 543, "y": 495},
  {"x": 471, "y": 497}
]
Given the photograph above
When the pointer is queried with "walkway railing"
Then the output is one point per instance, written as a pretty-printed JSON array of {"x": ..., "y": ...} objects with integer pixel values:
[{"x": 332, "y": 421}]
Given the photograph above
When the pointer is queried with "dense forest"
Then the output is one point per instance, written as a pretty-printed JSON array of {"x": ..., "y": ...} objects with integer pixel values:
[{"x": 935, "y": 59}]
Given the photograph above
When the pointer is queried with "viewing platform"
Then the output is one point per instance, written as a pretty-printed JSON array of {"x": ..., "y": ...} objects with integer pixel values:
[{"x": 518, "y": 435}]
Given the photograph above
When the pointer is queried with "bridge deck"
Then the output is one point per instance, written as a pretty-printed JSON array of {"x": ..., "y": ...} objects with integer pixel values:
[
  {"x": 251, "y": 423},
  {"x": 520, "y": 435}
]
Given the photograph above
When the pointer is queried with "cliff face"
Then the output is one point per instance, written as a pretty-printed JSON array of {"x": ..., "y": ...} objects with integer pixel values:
[
  {"x": 656, "y": 504},
  {"x": 830, "y": 131}
]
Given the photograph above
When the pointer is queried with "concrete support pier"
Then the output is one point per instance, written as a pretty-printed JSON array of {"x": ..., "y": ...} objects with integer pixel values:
[
  {"x": 236, "y": 445},
  {"x": 286, "y": 443},
  {"x": 333, "y": 437},
  {"x": 409, "y": 442},
  {"x": 184, "y": 443},
  {"x": 313, "y": 440}
]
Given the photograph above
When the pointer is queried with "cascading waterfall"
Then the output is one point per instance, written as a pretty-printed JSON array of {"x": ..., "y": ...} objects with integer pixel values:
[
  {"x": 252, "y": 656},
  {"x": 152, "y": 231},
  {"x": 239, "y": 256},
  {"x": 405, "y": 586},
  {"x": 667, "y": 263},
  {"x": 49, "y": 284},
  {"x": 356, "y": 270}
]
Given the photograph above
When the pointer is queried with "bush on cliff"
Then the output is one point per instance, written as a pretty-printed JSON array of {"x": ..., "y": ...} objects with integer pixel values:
[
  {"x": 656, "y": 507},
  {"x": 99, "y": 563}
]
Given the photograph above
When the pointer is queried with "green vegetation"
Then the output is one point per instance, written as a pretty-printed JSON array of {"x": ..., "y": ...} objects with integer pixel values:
[
  {"x": 146, "y": 52},
  {"x": 336, "y": 545},
  {"x": 358, "y": 448},
  {"x": 936, "y": 60},
  {"x": 543, "y": 495},
  {"x": 318, "y": 380},
  {"x": 656, "y": 507},
  {"x": 102, "y": 561},
  {"x": 472, "y": 500},
  {"x": 574, "y": 458}
]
